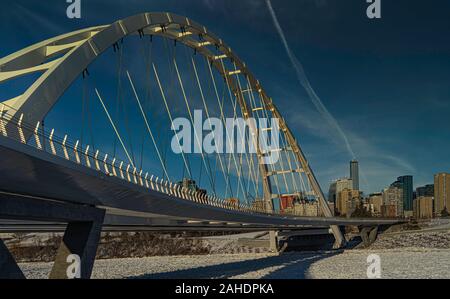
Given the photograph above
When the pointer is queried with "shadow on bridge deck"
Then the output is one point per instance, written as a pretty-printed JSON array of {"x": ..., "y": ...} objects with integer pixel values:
[{"x": 287, "y": 266}]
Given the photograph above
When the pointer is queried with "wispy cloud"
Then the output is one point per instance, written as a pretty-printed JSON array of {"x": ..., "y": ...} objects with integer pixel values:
[
  {"x": 35, "y": 20},
  {"x": 303, "y": 80},
  {"x": 379, "y": 166}
]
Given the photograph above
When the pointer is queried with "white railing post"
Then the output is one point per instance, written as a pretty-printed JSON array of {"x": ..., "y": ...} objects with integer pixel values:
[
  {"x": 19, "y": 128},
  {"x": 75, "y": 150},
  {"x": 66, "y": 154},
  {"x": 105, "y": 164},
  {"x": 128, "y": 173},
  {"x": 146, "y": 180},
  {"x": 135, "y": 175},
  {"x": 36, "y": 136},
  {"x": 52, "y": 145},
  {"x": 156, "y": 184},
  {"x": 151, "y": 183},
  {"x": 176, "y": 190},
  {"x": 166, "y": 185},
  {"x": 140, "y": 178},
  {"x": 2, "y": 123},
  {"x": 86, "y": 155},
  {"x": 97, "y": 165},
  {"x": 120, "y": 170},
  {"x": 113, "y": 167}
]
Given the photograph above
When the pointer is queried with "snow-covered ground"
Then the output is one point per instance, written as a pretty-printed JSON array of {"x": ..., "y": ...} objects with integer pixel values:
[
  {"x": 395, "y": 263},
  {"x": 423, "y": 254}
]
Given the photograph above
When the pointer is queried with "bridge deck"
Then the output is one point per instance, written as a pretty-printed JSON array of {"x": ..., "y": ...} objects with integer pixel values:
[{"x": 32, "y": 172}]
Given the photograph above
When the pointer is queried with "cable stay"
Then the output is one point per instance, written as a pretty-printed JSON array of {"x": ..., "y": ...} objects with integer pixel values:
[
  {"x": 242, "y": 112},
  {"x": 232, "y": 156},
  {"x": 170, "y": 117},
  {"x": 234, "y": 105},
  {"x": 147, "y": 125},
  {"x": 207, "y": 159},
  {"x": 171, "y": 52},
  {"x": 119, "y": 86},
  {"x": 192, "y": 121},
  {"x": 227, "y": 178}
]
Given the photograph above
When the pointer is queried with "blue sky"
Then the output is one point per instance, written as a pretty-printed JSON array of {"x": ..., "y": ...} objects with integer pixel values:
[{"x": 386, "y": 82}]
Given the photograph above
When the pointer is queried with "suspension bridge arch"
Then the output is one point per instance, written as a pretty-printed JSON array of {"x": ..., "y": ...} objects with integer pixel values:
[{"x": 60, "y": 60}]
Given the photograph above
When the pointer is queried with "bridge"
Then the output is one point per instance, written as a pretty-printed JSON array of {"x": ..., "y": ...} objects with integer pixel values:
[{"x": 50, "y": 181}]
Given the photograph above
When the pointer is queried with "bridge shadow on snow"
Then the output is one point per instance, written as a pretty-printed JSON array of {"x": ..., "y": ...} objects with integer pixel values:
[{"x": 286, "y": 266}]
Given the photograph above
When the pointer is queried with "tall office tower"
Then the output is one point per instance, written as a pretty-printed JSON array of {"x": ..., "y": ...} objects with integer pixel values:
[
  {"x": 354, "y": 174},
  {"x": 406, "y": 184},
  {"x": 441, "y": 193}
]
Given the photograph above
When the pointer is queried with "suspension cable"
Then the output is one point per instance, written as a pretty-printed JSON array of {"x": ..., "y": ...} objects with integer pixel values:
[
  {"x": 170, "y": 116},
  {"x": 234, "y": 104},
  {"x": 243, "y": 99},
  {"x": 147, "y": 125},
  {"x": 222, "y": 115},
  {"x": 227, "y": 179},
  {"x": 114, "y": 127},
  {"x": 192, "y": 120}
]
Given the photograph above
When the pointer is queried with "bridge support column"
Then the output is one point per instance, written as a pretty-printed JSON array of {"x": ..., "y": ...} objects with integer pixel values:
[
  {"x": 273, "y": 241},
  {"x": 80, "y": 241},
  {"x": 81, "y": 236},
  {"x": 369, "y": 235},
  {"x": 8, "y": 266}
]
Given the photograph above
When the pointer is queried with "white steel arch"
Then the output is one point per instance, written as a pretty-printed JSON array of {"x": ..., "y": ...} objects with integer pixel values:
[{"x": 63, "y": 58}]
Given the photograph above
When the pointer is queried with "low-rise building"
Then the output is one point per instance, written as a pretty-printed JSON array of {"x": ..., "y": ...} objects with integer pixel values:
[
  {"x": 306, "y": 208},
  {"x": 347, "y": 201},
  {"x": 259, "y": 205},
  {"x": 393, "y": 196},
  {"x": 375, "y": 201},
  {"x": 337, "y": 186},
  {"x": 389, "y": 211}
]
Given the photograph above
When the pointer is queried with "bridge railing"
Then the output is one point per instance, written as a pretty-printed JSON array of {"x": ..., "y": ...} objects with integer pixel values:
[{"x": 87, "y": 156}]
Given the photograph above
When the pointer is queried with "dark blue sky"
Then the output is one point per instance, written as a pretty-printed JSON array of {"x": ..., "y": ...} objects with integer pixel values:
[{"x": 387, "y": 82}]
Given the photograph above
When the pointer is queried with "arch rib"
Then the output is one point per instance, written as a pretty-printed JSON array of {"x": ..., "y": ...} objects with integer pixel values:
[{"x": 80, "y": 48}]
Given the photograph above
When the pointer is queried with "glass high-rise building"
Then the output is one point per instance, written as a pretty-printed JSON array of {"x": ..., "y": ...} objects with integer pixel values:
[
  {"x": 354, "y": 174},
  {"x": 406, "y": 184}
]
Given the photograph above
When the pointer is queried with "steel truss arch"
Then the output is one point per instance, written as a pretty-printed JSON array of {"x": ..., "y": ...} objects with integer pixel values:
[{"x": 63, "y": 59}]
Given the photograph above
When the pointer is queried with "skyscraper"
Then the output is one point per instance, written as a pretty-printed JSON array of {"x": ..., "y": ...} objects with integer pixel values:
[
  {"x": 354, "y": 174},
  {"x": 406, "y": 184},
  {"x": 441, "y": 193}
]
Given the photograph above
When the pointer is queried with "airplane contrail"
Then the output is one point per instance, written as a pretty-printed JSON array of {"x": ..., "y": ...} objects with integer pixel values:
[{"x": 303, "y": 79}]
